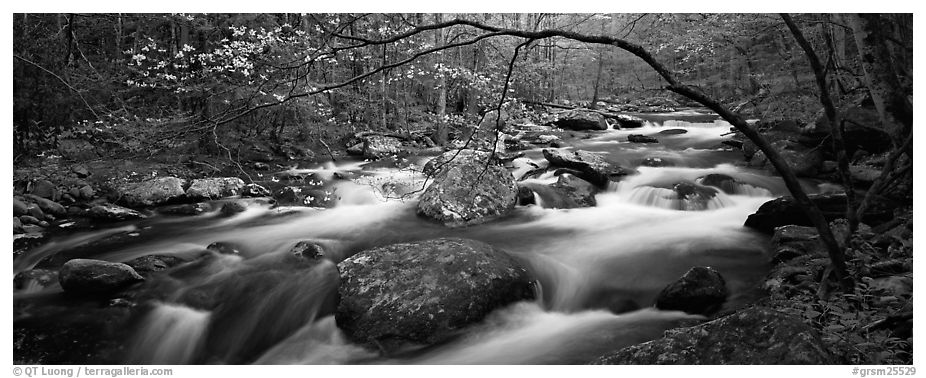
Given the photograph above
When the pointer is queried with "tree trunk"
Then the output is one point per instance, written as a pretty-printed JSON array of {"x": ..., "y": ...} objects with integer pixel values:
[
  {"x": 835, "y": 130},
  {"x": 894, "y": 109},
  {"x": 441, "y": 131}
]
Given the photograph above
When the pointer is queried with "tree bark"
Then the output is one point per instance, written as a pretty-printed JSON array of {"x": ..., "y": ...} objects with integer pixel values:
[
  {"x": 835, "y": 124},
  {"x": 441, "y": 131},
  {"x": 894, "y": 109}
]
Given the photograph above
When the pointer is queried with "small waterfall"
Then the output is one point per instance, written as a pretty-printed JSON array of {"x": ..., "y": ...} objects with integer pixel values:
[
  {"x": 171, "y": 335},
  {"x": 538, "y": 200},
  {"x": 664, "y": 198},
  {"x": 321, "y": 342},
  {"x": 752, "y": 191}
]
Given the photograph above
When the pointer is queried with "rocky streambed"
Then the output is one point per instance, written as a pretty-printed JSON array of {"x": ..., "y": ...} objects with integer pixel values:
[{"x": 536, "y": 245}]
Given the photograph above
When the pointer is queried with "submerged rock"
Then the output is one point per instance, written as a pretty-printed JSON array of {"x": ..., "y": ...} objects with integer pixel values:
[
  {"x": 154, "y": 192},
  {"x": 701, "y": 290},
  {"x": 214, "y": 188},
  {"x": 35, "y": 278},
  {"x": 694, "y": 197},
  {"x": 110, "y": 212},
  {"x": 186, "y": 209},
  {"x": 468, "y": 192},
  {"x": 592, "y": 168},
  {"x": 426, "y": 291},
  {"x": 640, "y": 138},
  {"x": 578, "y": 119},
  {"x": 755, "y": 336},
  {"x": 655, "y": 161},
  {"x": 86, "y": 276},
  {"x": 146, "y": 265}
]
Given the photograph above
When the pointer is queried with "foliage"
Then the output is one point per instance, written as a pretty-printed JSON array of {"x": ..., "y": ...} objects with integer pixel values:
[{"x": 849, "y": 322}]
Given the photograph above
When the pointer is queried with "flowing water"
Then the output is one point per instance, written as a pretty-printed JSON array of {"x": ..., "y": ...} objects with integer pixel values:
[{"x": 599, "y": 269}]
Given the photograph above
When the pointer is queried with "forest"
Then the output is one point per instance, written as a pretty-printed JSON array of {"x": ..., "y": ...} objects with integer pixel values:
[{"x": 408, "y": 188}]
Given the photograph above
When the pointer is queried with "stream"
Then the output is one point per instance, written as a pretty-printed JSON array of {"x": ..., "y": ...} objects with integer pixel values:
[{"x": 618, "y": 254}]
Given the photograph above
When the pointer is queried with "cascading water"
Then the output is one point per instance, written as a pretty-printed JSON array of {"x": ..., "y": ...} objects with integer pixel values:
[
  {"x": 599, "y": 268},
  {"x": 172, "y": 334}
]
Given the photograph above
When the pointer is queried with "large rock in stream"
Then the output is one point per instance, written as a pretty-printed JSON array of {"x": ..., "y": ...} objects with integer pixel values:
[
  {"x": 701, "y": 290},
  {"x": 215, "y": 187},
  {"x": 154, "y": 192},
  {"x": 754, "y": 336},
  {"x": 467, "y": 191},
  {"x": 578, "y": 119},
  {"x": 96, "y": 277},
  {"x": 592, "y": 168},
  {"x": 567, "y": 192},
  {"x": 426, "y": 291},
  {"x": 785, "y": 210}
]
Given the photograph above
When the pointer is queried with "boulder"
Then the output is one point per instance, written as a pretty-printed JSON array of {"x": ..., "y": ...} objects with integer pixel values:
[
  {"x": 36, "y": 212},
  {"x": 85, "y": 192},
  {"x": 110, "y": 212},
  {"x": 436, "y": 165},
  {"x": 701, "y": 290},
  {"x": 80, "y": 170},
  {"x": 379, "y": 146},
  {"x": 578, "y": 119},
  {"x": 785, "y": 210},
  {"x": 468, "y": 192},
  {"x": 673, "y": 132},
  {"x": 154, "y": 192},
  {"x": 17, "y": 225},
  {"x": 592, "y": 168},
  {"x": 233, "y": 208},
  {"x": 640, "y": 138},
  {"x": 754, "y": 336},
  {"x": 720, "y": 181},
  {"x": 568, "y": 192},
  {"x": 146, "y": 265},
  {"x": 20, "y": 207},
  {"x": 77, "y": 149},
  {"x": 86, "y": 276},
  {"x": 48, "y": 206},
  {"x": 626, "y": 121},
  {"x": 308, "y": 250},
  {"x": 216, "y": 187},
  {"x": 44, "y": 189},
  {"x": 425, "y": 291},
  {"x": 693, "y": 196},
  {"x": 28, "y": 219},
  {"x": 525, "y": 197}
]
